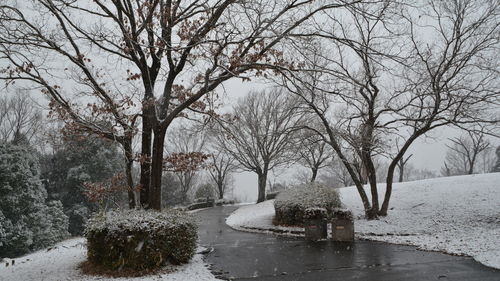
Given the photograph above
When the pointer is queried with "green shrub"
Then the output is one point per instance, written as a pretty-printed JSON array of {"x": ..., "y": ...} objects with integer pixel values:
[
  {"x": 139, "y": 239},
  {"x": 290, "y": 205},
  {"x": 27, "y": 221}
]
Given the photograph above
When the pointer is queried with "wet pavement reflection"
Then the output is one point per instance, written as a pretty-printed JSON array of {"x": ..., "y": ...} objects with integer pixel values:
[{"x": 242, "y": 255}]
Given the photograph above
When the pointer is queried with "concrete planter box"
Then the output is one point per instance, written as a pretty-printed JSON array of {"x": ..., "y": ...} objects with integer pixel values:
[
  {"x": 342, "y": 226},
  {"x": 315, "y": 229},
  {"x": 315, "y": 224}
]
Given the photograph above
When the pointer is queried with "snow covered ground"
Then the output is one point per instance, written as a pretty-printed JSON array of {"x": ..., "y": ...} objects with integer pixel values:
[
  {"x": 259, "y": 217},
  {"x": 457, "y": 215},
  {"x": 61, "y": 263}
]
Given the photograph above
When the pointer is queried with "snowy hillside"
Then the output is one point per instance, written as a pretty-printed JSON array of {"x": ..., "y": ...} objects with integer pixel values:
[{"x": 457, "y": 215}]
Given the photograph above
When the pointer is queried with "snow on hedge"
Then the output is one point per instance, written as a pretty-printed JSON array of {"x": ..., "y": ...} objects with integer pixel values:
[
  {"x": 458, "y": 215},
  {"x": 308, "y": 196},
  {"x": 138, "y": 220},
  {"x": 290, "y": 205},
  {"x": 140, "y": 239},
  {"x": 61, "y": 263}
]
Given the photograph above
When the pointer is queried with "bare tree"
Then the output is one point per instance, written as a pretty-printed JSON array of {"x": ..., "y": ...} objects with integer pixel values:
[
  {"x": 413, "y": 173},
  {"x": 369, "y": 90},
  {"x": 186, "y": 157},
  {"x": 496, "y": 168},
  {"x": 446, "y": 170},
  {"x": 487, "y": 160},
  {"x": 19, "y": 116},
  {"x": 259, "y": 133},
  {"x": 464, "y": 152},
  {"x": 339, "y": 86},
  {"x": 401, "y": 167},
  {"x": 336, "y": 175},
  {"x": 221, "y": 165},
  {"x": 313, "y": 152},
  {"x": 453, "y": 80},
  {"x": 159, "y": 59}
]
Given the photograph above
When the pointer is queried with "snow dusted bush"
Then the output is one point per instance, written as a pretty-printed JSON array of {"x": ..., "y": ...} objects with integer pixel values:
[
  {"x": 3, "y": 230},
  {"x": 51, "y": 225},
  {"x": 27, "y": 221},
  {"x": 290, "y": 205},
  {"x": 140, "y": 239},
  {"x": 272, "y": 195},
  {"x": 201, "y": 205},
  {"x": 315, "y": 213},
  {"x": 342, "y": 214},
  {"x": 220, "y": 202}
]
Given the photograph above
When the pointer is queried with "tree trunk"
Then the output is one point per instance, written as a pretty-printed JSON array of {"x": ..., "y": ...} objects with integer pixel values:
[
  {"x": 146, "y": 163},
  {"x": 369, "y": 210},
  {"x": 401, "y": 171},
  {"x": 471, "y": 165},
  {"x": 156, "y": 169},
  {"x": 392, "y": 167},
  {"x": 184, "y": 198},
  {"x": 262, "y": 179},
  {"x": 372, "y": 212},
  {"x": 388, "y": 191},
  {"x": 220, "y": 187},
  {"x": 129, "y": 159},
  {"x": 372, "y": 178},
  {"x": 357, "y": 182},
  {"x": 350, "y": 169},
  {"x": 368, "y": 168},
  {"x": 314, "y": 174}
]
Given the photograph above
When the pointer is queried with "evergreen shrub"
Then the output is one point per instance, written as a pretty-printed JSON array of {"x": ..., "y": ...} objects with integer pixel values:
[{"x": 28, "y": 221}]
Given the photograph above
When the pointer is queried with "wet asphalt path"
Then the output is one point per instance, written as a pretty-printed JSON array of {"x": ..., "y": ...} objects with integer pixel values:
[{"x": 251, "y": 256}]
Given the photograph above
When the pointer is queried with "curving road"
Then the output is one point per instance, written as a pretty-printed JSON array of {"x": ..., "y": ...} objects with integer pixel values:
[{"x": 242, "y": 255}]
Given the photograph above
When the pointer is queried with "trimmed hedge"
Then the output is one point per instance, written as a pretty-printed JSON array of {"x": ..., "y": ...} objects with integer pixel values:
[
  {"x": 343, "y": 214},
  {"x": 290, "y": 205},
  {"x": 140, "y": 239},
  {"x": 272, "y": 195},
  {"x": 221, "y": 202},
  {"x": 315, "y": 213},
  {"x": 201, "y": 205}
]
